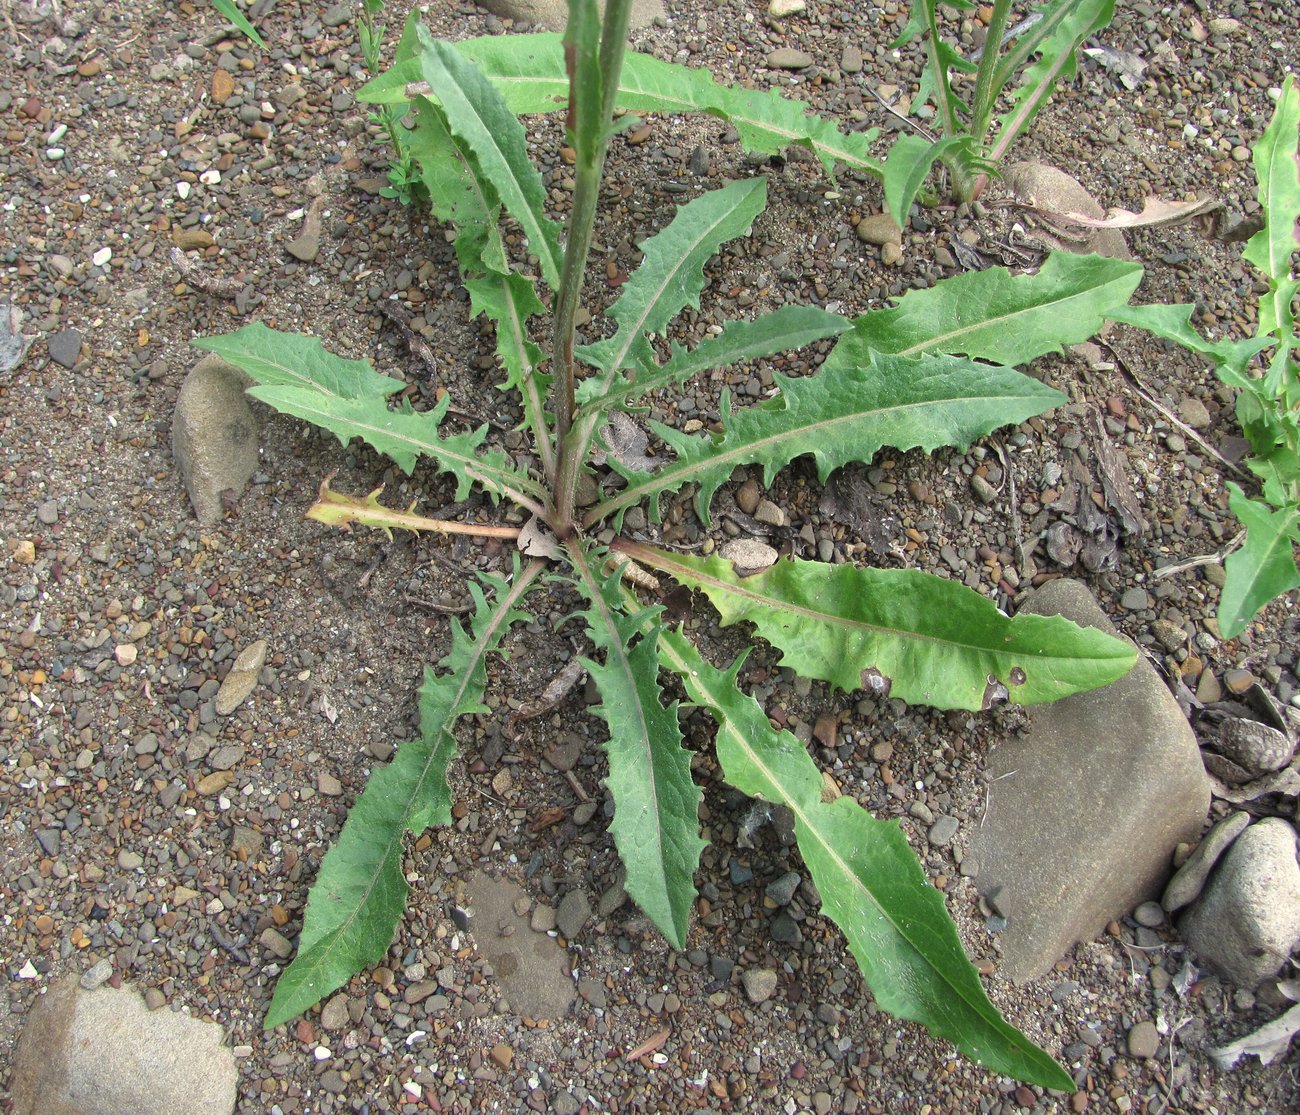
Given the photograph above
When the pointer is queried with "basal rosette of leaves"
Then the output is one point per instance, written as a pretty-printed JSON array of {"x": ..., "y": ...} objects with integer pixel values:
[
  {"x": 1267, "y": 382},
  {"x": 916, "y": 375}
]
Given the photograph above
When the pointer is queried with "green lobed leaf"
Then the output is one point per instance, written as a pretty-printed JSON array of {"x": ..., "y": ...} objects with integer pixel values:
[
  {"x": 870, "y": 881},
  {"x": 508, "y": 301},
  {"x": 913, "y": 635},
  {"x": 1265, "y": 566},
  {"x": 1174, "y": 323},
  {"x": 459, "y": 193},
  {"x": 479, "y": 117},
  {"x": 781, "y": 330},
  {"x": 529, "y": 70},
  {"x": 906, "y": 167},
  {"x": 671, "y": 274},
  {"x": 276, "y": 359},
  {"x": 1271, "y": 249},
  {"x": 656, "y": 803},
  {"x": 995, "y": 315},
  {"x": 406, "y": 435},
  {"x": 360, "y": 891},
  {"x": 856, "y": 404},
  {"x": 1056, "y": 60}
]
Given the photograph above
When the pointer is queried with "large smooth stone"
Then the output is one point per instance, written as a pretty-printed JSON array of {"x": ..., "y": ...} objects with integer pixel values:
[{"x": 1085, "y": 809}]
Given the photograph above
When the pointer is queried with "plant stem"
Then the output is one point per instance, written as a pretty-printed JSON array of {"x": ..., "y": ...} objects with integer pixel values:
[{"x": 593, "y": 86}]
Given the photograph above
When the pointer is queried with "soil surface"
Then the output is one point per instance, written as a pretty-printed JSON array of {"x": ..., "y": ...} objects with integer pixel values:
[{"x": 128, "y": 128}]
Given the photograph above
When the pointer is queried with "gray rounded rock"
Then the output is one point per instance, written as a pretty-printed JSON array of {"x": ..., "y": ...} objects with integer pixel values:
[
  {"x": 1189, "y": 879},
  {"x": 1247, "y": 921}
]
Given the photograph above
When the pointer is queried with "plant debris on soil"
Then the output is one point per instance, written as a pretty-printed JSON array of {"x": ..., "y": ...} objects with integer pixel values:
[{"x": 143, "y": 827}]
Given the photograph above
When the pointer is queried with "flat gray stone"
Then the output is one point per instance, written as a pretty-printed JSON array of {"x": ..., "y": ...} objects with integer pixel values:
[
  {"x": 1086, "y": 808},
  {"x": 1247, "y": 921},
  {"x": 103, "y": 1052},
  {"x": 532, "y": 968},
  {"x": 573, "y": 914},
  {"x": 1189, "y": 880},
  {"x": 214, "y": 436},
  {"x": 555, "y": 13}
]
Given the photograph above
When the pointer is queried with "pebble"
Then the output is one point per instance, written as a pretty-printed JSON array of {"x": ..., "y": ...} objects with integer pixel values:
[
  {"x": 1149, "y": 914},
  {"x": 781, "y": 891},
  {"x": 242, "y": 678},
  {"x": 851, "y": 60},
  {"x": 1189, "y": 879},
  {"x": 942, "y": 831},
  {"x": 65, "y": 347},
  {"x": 543, "y": 918},
  {"x": 749, "y": 554},
  {"x": 97, "y": 975},
  {"x": 47, "y": 512},
  {"x": 982, "y": 490},
  {"x": 1135, "y": 599},
  {"x": 759, "y": 984},
  {"x": 573, "y": 914},
  {"x": 787, "y": 58},
  {"x": 1143, "y": 1041},
  {"x": 879, "y": 229},
  {"x": 779, "y": 9}
]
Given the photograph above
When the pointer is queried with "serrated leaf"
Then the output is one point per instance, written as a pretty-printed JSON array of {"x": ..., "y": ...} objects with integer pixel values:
[
  {"x": 916, "y": 636},
  {"x": 870, "y": 881},
  {"x": 273, "y": 358},
  {"x": 906, "y": 167},
  {"x": 529, "y": 70},
  {"x": 406, "y": 435},
  {"x": 479, "y": 117},
  {"x": 1174, "y": 323},
  {"x": 360, "y": 892},
  {"x": 1265, "y": 566},
  {"x": 1272, "y": 247},
  {"x": 782, "y": 330},
  {"x": 458, "y": 193},
  {"x": 1056, "y": 60},
  {"x": 656, "y": 803},
  {"x": 508, "y": 301},
  {"x": 995, "y": 315},
  {"x": 855, "y": 405},
  {"x": 671, "y": 274}
]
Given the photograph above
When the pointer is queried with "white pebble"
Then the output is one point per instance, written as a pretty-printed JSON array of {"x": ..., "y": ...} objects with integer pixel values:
[
  {"x": 210, "y": 177},
  {"x": 57, "y": 134},
  {"x": 322, "y": 1053},
  {"x": 54, "y": 154},
  {"x": 183, "y": 190}
]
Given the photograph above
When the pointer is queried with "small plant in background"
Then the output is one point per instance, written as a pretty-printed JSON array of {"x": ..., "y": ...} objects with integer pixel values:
[
  {"x": 1039, "y": 51},
  {"x": 1268, "y": 398},
  {"x": 935, "y": 370}
]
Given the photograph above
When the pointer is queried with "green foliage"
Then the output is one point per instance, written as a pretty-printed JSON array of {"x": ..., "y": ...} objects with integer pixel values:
[
  {"x": 966, "y": 93},
  {"x": 869, "y": 880},
  {"x": 228, "y": 9},
  {"x": 360, "y": 891},
  {"x": 903, "y": 377},
  {"x": 1268, "y": 396}
]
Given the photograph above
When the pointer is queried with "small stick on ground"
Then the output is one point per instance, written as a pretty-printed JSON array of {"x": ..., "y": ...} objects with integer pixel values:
[
  {"x": 555, "y": 692},
  {"x": 1142, "y": 389},
  {"x": 1216, "y": 558}
]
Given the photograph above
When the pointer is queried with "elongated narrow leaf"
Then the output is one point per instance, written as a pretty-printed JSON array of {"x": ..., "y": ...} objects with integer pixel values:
[
  {"x": 782, "y": 330},
  {"x": 1056, "y": 60},
  {"x": 508, "y": 301},
  {"x": 529, "y": 70},
  {"x": 360, "y": 893},
  {"x": 656, "y": 823},
  {"x": 1174, "y": 323},
  {"x": 917, "y": 636},
  {"x": 276, "y": 359},
  {"x": 671, "y": 274},
  {"x": 406, "y": 435},
  {"x": 846, "y": 412},
  {"x": 1265, "y": 566},
  {"x": 459, "y": 193},
  {"x": 906, "y": 167},
  {"x": 1273, "y": 246},
  {"x": 995, "y": 315},
  {"x": 228, "y": 9},
  {"x": 478, "y": 116},
  {"x": 869, "y": 879}
]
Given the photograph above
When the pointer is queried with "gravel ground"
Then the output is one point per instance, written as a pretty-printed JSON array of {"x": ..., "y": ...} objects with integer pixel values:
[{"x": 142, "y": 827}]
